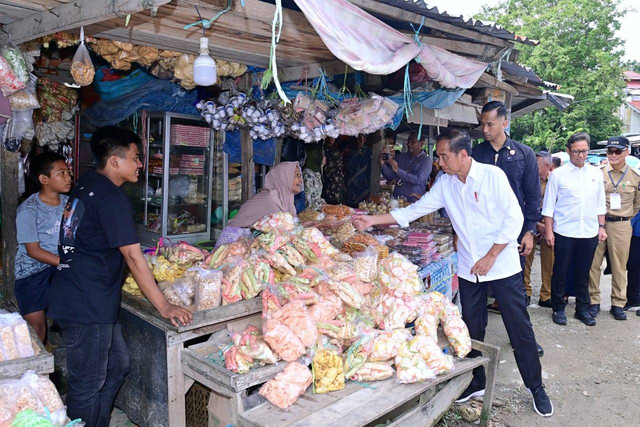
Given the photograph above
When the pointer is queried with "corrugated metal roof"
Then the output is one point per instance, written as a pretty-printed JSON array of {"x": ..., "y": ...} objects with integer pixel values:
[{"x": 489, "y": 28}]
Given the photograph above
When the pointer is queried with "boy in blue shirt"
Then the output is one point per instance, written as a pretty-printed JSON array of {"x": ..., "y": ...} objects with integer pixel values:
[{"x": 38, "y": 227}]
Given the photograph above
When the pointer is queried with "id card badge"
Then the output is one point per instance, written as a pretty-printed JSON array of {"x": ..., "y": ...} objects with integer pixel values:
[{"x": 615, "y": 201}]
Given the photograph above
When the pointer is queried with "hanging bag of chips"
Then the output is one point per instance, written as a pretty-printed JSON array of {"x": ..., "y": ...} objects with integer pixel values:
[{"x": 81, "y": 67}]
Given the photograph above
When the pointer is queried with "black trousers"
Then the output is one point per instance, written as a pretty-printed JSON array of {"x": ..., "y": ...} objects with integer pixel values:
[
  {"x": 633, "y": 272},
  {"x": 509, "y": 293},
  {"x": 579, "y": 253}
]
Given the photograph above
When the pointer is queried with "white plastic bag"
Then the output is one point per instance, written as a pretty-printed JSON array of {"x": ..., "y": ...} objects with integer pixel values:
[
  {"x": 81, "y": 67},
  {"x": 208, "y": 284}
]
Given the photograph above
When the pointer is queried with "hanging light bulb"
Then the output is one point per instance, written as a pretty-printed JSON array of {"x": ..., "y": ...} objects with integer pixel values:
[{"x": 204, "y": 67}]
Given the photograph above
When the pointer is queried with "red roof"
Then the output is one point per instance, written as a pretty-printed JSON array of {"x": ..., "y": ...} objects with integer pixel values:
[
  {"x": 631, "y": 75},
  {"x": 636, "y": 105}
]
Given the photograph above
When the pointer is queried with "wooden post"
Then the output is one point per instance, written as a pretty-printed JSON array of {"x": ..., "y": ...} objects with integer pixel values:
[
  {"x": 375, "y": 163},
  {"x": 507, "y": 103},
  {"x": 9, "y": 196},
  {"x": 278, "y": 154},
  {"x": 248, "y": 174}
]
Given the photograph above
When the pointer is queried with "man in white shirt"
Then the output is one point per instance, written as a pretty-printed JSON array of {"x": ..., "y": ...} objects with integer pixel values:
[
  {"x": 487, "y": 218},
  {"x": 573, "y": 210}
]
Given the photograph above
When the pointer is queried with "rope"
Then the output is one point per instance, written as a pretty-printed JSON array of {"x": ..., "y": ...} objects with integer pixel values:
[
  {"x": 272, "y": 71},
  {"x": 206, "y": 23},
  {"x": 408, "y": 98}
]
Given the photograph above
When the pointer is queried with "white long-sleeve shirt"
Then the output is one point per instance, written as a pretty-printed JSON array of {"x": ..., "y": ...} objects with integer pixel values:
[
  {"x": 574, "y": 198},
  {"x": 483, "y": 211}
]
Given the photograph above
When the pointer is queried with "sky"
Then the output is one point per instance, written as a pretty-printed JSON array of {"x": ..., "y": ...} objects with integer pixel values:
[{"x": 628, "y": 28}]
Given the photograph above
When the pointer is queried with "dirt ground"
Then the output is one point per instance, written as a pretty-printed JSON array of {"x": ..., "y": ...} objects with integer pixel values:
[{"x": 592, "y": 374}]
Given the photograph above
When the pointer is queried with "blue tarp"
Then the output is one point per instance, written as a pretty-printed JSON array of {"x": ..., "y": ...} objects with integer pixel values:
[
  {"x": 155, "y": 95},
  {"x": 264, "y": 151},
  {"x": 434, "y": 100},
  {"x": 113, "y": 89}
]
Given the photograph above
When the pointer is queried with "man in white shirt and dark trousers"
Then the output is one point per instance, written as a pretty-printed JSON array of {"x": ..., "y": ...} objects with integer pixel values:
[
  {"x": 574, "y": 209},
  {"x": 487, "y": 218}
]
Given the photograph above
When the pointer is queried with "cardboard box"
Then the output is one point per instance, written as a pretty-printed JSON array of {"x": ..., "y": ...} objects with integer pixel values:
[{"x": 220, "y": 411}]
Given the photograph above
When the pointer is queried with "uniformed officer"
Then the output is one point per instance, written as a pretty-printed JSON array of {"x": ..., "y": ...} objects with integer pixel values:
[{"x": 622, "y": 190}]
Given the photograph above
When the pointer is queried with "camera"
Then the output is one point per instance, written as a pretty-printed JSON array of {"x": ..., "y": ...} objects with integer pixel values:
[{"x": 385, "y": 156}]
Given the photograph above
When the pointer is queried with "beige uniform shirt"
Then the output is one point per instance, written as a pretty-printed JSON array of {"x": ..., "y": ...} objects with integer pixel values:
[{"x": 628, "y": 188}]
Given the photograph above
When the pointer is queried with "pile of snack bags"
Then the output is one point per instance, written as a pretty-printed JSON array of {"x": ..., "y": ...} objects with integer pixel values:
[
  {"x": 344, "y": 315},
  {"x": 31, "y": 400}
]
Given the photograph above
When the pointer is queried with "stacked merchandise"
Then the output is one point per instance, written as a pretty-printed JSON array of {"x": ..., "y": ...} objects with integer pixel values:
[
  {"x": 346, "y": 315},
  {"x": 190, "y": 136},
  {"x": 192, "y": 164},
  {"x": 15, "y": 339}
]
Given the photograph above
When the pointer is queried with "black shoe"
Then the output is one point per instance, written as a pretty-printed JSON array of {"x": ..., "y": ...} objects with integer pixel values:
[
  {"x": 593, "y": 310},
  {"x": 629, "y": 305},
  {"x": 586, "y": 318},
  {"x": 469, "y": 393},
  {"x": 545, "y": 303},
  {"x": 559, "y": 318},
  {"x": 618, "y": 313},
  {"x": 638, "y": 313},
  {"x": 493, "y": 308},
  {"x": 540, "y": 350},
  {"x": 541, "y": 402},
  {"x": 527, "y": 300}
]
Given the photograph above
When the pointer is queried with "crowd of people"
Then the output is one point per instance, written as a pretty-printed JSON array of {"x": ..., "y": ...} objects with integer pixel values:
[{"x": 502, "y": 198}]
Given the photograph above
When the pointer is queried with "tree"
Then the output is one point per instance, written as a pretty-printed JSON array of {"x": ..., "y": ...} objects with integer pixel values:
[
  {"x": 632, "y": 65},
  {"x": 578, "y": 50}
]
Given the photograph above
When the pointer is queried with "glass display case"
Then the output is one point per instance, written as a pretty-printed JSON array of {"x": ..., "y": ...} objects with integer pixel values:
[{"x": 172, "y": 198}]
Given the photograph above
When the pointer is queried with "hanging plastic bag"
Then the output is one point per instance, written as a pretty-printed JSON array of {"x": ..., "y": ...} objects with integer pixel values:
[
  {"x": 22, "y": 126},
  {"x": 13, "y": 69},
  {"x": 81, "y": 67},
  {"x": 25, "y": 99}
]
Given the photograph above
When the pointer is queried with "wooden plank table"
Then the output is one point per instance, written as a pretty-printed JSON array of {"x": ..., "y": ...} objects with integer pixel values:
[
  {"x": 358, "y": 405},
  {"x": 41, "y": 362},
  {"x": 154, "y": 391}
]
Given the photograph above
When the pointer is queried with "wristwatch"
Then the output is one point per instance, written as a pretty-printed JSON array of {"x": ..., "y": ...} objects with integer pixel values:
[
  {"x": 533, "y": 232},
  {"x": 602, "y": 226}
]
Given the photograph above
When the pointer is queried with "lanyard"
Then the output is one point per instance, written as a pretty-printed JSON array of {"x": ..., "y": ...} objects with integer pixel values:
[{"x": 615, "y": 185}]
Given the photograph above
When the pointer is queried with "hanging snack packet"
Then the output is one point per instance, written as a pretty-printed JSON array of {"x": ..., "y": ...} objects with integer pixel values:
[{"x": 82, "y": 69}]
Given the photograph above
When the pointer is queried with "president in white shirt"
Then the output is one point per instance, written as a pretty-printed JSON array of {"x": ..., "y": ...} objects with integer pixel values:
[
  {"x": 574, "y": 209},
  {"x": 487, "y": 218}
]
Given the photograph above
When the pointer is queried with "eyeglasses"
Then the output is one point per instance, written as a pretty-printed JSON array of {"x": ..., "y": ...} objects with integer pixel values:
[
  {"x": 579, "y": 152},
  {"x": 616, "y": 151}
]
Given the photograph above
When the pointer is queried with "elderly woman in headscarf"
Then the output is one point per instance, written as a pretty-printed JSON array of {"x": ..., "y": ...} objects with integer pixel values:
[{"x": 281, "y": 184}]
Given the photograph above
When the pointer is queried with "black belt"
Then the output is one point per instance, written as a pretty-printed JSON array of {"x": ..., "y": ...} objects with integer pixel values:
[{"x": 617, "y": 218}]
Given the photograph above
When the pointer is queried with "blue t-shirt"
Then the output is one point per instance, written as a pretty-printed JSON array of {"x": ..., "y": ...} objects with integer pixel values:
[
  {"x": 97, "y": 221},
  {"x": 36, "y": 222}
]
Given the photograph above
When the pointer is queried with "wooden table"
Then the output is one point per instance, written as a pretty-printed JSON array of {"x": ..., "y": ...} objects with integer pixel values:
[
  {"x": 342, "y": 407},
  {"x": 154, "y": 391},
  {"x": 42, "y": 362}
]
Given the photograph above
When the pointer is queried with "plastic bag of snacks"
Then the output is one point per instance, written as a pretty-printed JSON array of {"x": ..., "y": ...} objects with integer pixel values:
[
  {"x": 231, "y": 288},
  {"x": 236, "y": 361},
  {"x": 397, "y": 312},
  {"x": 292, "y": 291},
  {"x": 287, "y": 386},
  {"x": 208, "y": 288},
  {"x": 280, "y": 221},
  {"x": 327, "y": 308},
  {"x": 347, "y": 293},
  {"x": 14, "y": 74},
  {"x": 399, "y": 275},
  {"x": 455, "y": 329},
  {"x": 365, "y": 264},
  {"x": 356, "y": 356},
  {"x": 411, "y": 367},
  {"x": 179, "y": 291},
  {"x": 313, "y": 236},
  {"x": 271, "y": 301},
  {"x": 328, "y": 374},
  {"x": 25, "y": 99},
  {"x": 387, "y": 344},
  {"x": 282, "y": 340},
  {"x": 251, "y": 343},
  {"x": 432, "y": 354},
  {"x": 373, "y": 371},
  {"x": 48, "y": 395},
  {"x": 294, "y": 315},
  {"x": 82, "y": 69},
  {"x": 273, "y": 240},
  {"x": 427, "y": 325}
]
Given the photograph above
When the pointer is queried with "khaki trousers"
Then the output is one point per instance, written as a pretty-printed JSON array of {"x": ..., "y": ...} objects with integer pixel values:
[
  {"x": 546, "y": 267},
  {"x": 617, "y": 244}
]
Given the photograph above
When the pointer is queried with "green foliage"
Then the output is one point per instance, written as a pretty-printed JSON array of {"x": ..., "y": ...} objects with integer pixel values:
[
  {"x": 632, "y": 65},
  {"x": 578, "y": 50}
]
